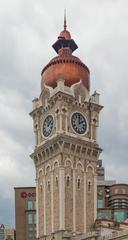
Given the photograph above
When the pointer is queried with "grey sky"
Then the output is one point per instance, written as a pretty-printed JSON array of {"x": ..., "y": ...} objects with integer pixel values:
[{"x": 27, "y": 31}]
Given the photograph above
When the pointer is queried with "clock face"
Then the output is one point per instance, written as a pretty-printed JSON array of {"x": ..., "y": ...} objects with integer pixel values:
[
  {"x": 47, "y": 126},
  {"x": 79, "y": 123}
]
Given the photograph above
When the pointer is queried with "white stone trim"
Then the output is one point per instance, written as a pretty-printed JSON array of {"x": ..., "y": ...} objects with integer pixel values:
[
  {"x": 62, "y": 198},
  {"x": 60, "y": 115},
  {"x": 56, "y": 161},
  {"x": 39, "y": 171},
  {"x": 52, "y": 204},
  {"x": 68, "y": 160},
  {"x": 89, "y": 165},
  {"x": 95, "y": 197},
  {"x": 66, "y": 122},
  {"x": 74, "y": 200},
  {"x": 56, "y": 121},
  {"x": 79, "y": 163},
  {"x": 44, "y": 200},
  {"x": 37, "y": 210},
  {"x": 47, "y": 166},
  {"x": 85, "y": 208}
]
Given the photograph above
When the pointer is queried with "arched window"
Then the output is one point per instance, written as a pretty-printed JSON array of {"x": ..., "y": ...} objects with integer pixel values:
[
  {"x": 56, "y": 181},
  {"x": 89, "y": 186},
  {"x": 68, "y": 181},
  {"x": 48, "y": 184},
  {"x": 56, "y": 164},
  {"x": 78, "y": 183}
]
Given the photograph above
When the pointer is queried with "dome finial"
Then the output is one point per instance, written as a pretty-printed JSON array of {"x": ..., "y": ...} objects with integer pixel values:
[{"x": 65, "y": 25}]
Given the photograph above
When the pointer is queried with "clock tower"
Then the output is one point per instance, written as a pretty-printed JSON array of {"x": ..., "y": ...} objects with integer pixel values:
[{"x": 66, "y": 119}]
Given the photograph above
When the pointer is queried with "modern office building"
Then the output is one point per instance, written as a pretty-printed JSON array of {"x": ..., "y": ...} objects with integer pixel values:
[
  {"x": 113, "y": 202},
  {"x": 25, "y": 213}
]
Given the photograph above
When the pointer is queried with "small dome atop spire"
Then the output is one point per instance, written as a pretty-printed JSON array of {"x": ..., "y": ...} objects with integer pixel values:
[{"x": 65, "y": 34}]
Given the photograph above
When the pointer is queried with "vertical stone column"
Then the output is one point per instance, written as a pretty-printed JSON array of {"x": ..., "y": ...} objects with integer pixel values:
[
  {"x": 60, "y": 122},
  {"x": 96, "y": 132},
  {"x": 74, "y": 201},
  {"x": 66, "y": 122},
  {"x": 36, "y": 135},
  {"x": 57, "y": 123},
  {"x": 52, "y": 204},
  {"x": 91, "y": 124},
  {"x": 95, "y": 197},
  {"x": 44, "y": 189},
  {"x": 62, "y": 198},
  {"x": 85, "y": 204},
  {"x": 37, "y": 210}
]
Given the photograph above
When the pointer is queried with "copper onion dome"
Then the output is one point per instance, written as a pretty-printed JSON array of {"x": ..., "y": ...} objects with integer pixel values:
[{"x": 65, "y": 65}]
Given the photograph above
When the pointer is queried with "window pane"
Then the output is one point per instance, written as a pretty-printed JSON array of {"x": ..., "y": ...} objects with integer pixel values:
[
  {"x": 100, "y": 203},
  {"x": 30, "y": 234},
  {"x": 120, "y": 216},
  {"x": 30, "y": 218},
  {"x": 30, "y": 205},
  {"x": 103, "y": 215},
  {"x": 116, "y": 191},
  {"x": 123, "y": 191},
  {"x": 35, "y": 218},
  {"x": 34, "y": 204},
  {"x": 99, "y": 215}
]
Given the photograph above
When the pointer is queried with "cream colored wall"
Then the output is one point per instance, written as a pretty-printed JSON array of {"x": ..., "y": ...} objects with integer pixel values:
[{"x": 65, "y": 207}]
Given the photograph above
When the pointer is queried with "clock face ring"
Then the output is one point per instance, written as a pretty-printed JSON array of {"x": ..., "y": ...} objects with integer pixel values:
[
  {"x": 47, "y": 126},
  {"x": 79, "y": 123}
]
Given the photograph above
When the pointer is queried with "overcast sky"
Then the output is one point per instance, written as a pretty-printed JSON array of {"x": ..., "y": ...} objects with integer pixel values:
[{"x": 27, "y": 31}]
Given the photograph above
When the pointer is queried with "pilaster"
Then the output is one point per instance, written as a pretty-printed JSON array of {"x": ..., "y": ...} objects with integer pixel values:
[{"x": 62, "y": 198}]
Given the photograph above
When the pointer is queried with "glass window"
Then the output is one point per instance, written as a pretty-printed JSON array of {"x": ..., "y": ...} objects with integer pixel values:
[
  {"x": 103, "y": 215},
  {"x": 100, "y": 203},
  {"x": 123, "y": 191},
  {"x": 30, "y": 234},
  {"x": 124, "y": 203},
  {"x": 107, "y": 215},
  {"x": 34, "y": 204},
  {"x": 99, "y": 215},
  {"x": 30, "y": 205},
  {"x": 116, "y": 191},
  {"x": 35, "y": 218},
  {"x": 30, "y": 228},
  {"x": 115, "y": 203},
  {"x": 30, "y": 220},
  {"x": 120, "y": 216},
  {"x": 116, "y": 206}
]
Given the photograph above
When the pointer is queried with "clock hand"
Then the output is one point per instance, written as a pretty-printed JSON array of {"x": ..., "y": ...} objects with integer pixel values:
[{"x": 50, "y": 121}]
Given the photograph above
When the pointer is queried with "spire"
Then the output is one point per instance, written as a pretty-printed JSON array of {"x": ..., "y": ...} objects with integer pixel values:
[
  {"x": 64, "y": 39},
  {"x": 65, "y": 25}
]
